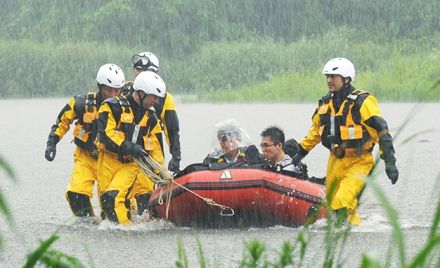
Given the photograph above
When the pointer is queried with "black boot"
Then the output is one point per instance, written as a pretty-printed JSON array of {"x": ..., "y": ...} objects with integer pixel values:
[
  {"x": 80, "y": 204},
  {"x": 108, "y": 204},
  {"x": 142, "y": 202}
]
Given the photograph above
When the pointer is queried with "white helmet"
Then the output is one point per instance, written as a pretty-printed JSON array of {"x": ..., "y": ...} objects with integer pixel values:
[
  {"x": 341, "y": 66},
  {"x": 150, "y": 83},
  {"x": 146, "y": 61},
  {"x": 110, "y": 75}
]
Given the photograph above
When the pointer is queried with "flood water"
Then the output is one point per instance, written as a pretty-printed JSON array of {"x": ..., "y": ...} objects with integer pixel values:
[{"x": 39, "y": 207}]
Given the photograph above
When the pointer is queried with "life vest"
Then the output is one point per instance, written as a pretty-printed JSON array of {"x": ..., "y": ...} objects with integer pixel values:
[
  {"x": 86, "y": 127},
  {"x": 240, "y": 157},
  {"x": 341, "y": 131},
  {"x": 128, "y": 129}
]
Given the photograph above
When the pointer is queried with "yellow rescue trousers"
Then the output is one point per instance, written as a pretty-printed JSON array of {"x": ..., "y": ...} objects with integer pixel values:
[
  {"x": 80, "y": 188},
  {"x": 117, "y": 183},
  {"x": 345, "y": 181}
]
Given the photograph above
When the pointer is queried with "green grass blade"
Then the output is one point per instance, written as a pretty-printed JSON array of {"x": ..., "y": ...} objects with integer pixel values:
[
  {"x": 38, "y": 253},
  {"x": 436, "y": 219},
  {"x": 333, "y": 233},
  {"x": 7, "y": 168},
  {"x": 182, "y": 262},
  {"x": 368, "y": 262},
  {"x": 54, "y": 258},
  {"x": 254, "y": 251},
  {"x": 303, "y": 247},
  {"x": 420, "y": 259},
  {"x": 433, "y": 241},
  {"x": 285, "y": 256},
  {"x": 392, "y": 217},
  {"x": 5, "y": 210},
  {"x": 200, "y": 254},
  {"x": 343, "y": 237}
]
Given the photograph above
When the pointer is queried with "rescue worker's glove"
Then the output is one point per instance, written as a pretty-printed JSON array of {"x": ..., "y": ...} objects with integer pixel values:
[
  {"x": 296, "y": 159},
  {"x": 51, "y": 148},
  {"x": 133, "y": 149},
  {"x": 392, "y": 172},
  {"x": 174, "y": 164}
]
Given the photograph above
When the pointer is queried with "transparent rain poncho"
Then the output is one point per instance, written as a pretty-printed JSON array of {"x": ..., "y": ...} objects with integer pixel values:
[{"x": 228, "y": 136}]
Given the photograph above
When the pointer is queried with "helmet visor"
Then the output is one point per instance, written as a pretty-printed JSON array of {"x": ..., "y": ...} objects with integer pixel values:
[{"x": 140, "y": 61}]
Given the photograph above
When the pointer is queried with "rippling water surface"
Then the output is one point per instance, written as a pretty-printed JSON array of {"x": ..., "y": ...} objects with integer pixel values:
[{"x": 39, "y": 206}]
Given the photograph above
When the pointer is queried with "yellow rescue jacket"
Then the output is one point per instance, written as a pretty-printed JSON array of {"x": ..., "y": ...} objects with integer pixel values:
[
  {"x": 165, "y": 110},
  {"x": 83, "y": 109},
  {"x": 121, "y": 120},
  {"x": 344, "y": 131}
]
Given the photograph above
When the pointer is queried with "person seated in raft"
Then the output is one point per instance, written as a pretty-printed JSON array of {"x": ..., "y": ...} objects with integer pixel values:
[
  {"x": 272, "y": 154},
  {"x": 273, "y": 145},
  {"x": 232, "y": 145}
]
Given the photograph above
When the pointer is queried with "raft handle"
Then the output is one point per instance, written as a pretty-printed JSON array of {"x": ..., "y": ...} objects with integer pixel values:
[{"x": 229, "y": 212}]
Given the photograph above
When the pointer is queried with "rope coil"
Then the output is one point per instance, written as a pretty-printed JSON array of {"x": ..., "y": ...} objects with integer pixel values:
[{"x": 164, "y": 178}]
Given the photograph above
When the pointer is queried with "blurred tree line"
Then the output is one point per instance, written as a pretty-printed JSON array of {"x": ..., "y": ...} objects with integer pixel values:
[{"x": 54, "y": 48}]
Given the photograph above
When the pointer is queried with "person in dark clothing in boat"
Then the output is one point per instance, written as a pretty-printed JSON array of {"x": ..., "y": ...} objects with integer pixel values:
[
  {"x": 232, "y": 145},
  {"x": 291, "y": 147},
  {"x": 278, "y": 154},
  {"x": 272, "y": 146}
]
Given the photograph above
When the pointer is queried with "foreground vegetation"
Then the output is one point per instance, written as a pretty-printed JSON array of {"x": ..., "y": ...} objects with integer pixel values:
[
  {"x": 245, "y": 50},
  {"x": 44, "y": 255}
]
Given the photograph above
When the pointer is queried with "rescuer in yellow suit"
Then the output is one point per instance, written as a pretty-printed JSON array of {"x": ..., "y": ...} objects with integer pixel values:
[
  {"x": 165, "y": 110},
  {"x": 127, "y": 128},
  {"x": 348, "y": 122},
  {"x": 83, "y": 109}
]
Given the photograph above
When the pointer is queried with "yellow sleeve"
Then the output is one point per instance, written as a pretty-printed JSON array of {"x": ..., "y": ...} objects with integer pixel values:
[
  {"x": 65, "y": 118},
  {"x": 108, "y": 129},
  {"x": 369, "y": 109},
  {"x": 169, "y": 105},
  {"x": 152, "y": 143},
  {"x": 314, "y": 135}
]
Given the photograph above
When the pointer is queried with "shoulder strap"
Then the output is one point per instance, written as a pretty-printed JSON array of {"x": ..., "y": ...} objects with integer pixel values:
[
  {"x": 79, "y": 106},
  {"x": 361, "y": 95},
  {"x": 90, "y": 101},
  {"x": 357, "y": 93},
  {"x": 117, "y": 104},
  {"x": 123, "y": 101},
  {"x": 325, "y": 99},
  {"x": 152, "y": 120}
]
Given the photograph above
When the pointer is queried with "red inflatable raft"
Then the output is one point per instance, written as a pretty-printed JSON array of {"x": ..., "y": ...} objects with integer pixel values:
[{"x": 250, "y": 197}]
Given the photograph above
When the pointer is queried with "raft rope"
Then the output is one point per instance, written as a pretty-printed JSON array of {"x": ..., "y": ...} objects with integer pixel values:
[
  {"x": 164, "y": 178},
  {"x": 229, "y": 210}
]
